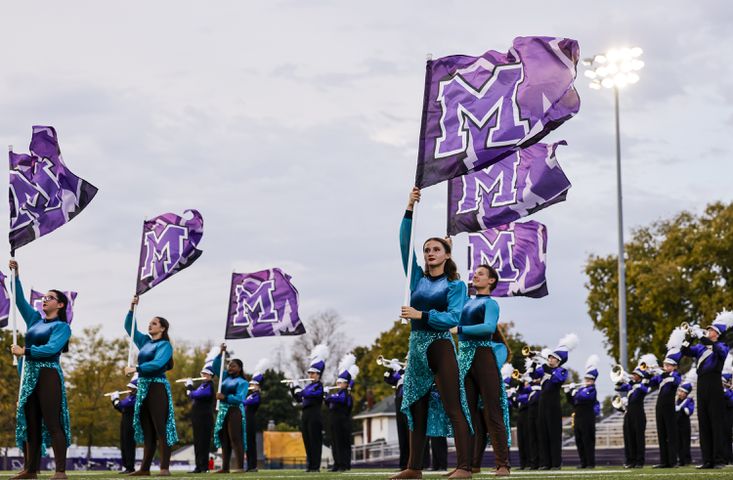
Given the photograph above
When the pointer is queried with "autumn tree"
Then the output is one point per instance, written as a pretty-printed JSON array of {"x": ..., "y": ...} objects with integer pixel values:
[
  {"x": 324, "y": 327},
  {"x": 677, "y": 270}
]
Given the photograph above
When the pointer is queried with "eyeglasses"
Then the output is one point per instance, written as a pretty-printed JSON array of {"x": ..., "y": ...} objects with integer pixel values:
[{"x": 48, "y": 298}]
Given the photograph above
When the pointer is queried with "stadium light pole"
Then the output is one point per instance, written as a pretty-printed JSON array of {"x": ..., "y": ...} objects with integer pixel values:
[{"x": 616, "y": 69}]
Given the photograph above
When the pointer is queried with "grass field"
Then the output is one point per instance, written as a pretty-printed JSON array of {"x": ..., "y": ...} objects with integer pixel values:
[{"x": 571, "y": 473}]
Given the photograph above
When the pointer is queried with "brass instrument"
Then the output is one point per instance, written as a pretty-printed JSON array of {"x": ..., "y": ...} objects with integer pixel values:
[
  {"x": 693, "y": 331},
  {"x": 184, "y": 380},
  {"x": 387, "y": 363},
  {"x": 117, "y": 393},
  {"x": 528, "y": 352},
  {"x": 295, "y": 380},
  {"x": 570, "y": 386},
  {"x": 330, "y": 387},
  {"x": 619, "y": 402},
  {"x": 618, "y": 374},
  {"x": 516, "y": 375}
]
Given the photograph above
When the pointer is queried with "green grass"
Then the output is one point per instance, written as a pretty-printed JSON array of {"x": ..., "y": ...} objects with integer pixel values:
[{"x": 611, "y": 473}]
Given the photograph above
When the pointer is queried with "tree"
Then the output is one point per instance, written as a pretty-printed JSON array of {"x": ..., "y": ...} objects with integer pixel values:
[
  {"x": 323, "y": 327},
  {"x": 677, "y": 270},
  {"x": 92, "y": 367},
  {"x": 276, "y": 403}
]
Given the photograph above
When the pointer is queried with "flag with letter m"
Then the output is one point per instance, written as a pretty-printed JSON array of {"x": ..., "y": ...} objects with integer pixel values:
[
  {"x": 478, "y": 110},
  {"x": 168, "y": 246},
  {"x": 263, "y": 304},
  {"x": 517, "y": 252}
]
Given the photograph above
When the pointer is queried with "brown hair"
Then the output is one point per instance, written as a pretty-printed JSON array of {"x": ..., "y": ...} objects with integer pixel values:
[
  {"x": 492, "y": 274},
  {"x": 450, "y": 269}
]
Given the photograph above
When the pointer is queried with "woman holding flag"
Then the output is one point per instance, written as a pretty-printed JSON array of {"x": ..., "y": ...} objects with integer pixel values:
[
  {"x": 230, "y": 427},
  {"x": 154, "y": 419},
  {"x": 436, "y": 302},
  {"x": 42, "y": 409}
]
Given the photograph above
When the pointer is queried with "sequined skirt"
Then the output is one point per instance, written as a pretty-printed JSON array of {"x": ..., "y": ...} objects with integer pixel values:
[
  {"x": 219, "y": 424},
  {"x": 419, "y": 380},
  {"x": 466, "y": 352},
  {"x": 143, "y": 384},
  {"x": 31, "y": 370}
]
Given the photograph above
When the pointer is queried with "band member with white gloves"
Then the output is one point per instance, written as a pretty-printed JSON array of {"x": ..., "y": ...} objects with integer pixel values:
[
  {"x": 126, "y": 407},
  {"x": 636, "y": 389},
  {"x": 251, "y": 405},
  {"x": 202, "y": 412},
  {"x": 340, "y": 404},
  {"x": 684, "y": 408},
  {"x": 667, "y": 382},
  {"x": 586, "y": 408},
  {"x": 311, "y": 398}
]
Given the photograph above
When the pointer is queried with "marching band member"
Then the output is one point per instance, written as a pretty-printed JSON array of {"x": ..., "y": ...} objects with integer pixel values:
[
  {"x": 311, "y": 397},
  {"x": 437, "y": 298},
  {"x": 202, "y": 408},
  {"x": 684, "y": 408},
  {"x": 523, "y": 422},
  {"x": 339, "y": 405},
  {"x": 552, "y": 376},
  {"x": 728, "y": 411},
  {"x": 155, "y": 422},
  {"x": 42, "y": 409},
  {"x": 251, "y": 404},
  {"x": 230, "y": 426},
  {"x": 481, "y": 353},
  {"x": 634, "y": 427},
  {"x": 394, "y": 376},
  {"x": 710, "y": 355},
  {"x": 585, "y": 409},
  {"x": 533, "y": 418},
  {"x": 667, "y": 381},
  {"x": 126, "y": 407}
]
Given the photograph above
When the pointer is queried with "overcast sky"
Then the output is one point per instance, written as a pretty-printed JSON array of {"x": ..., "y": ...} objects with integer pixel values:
[{"x": 292, "y": 126}]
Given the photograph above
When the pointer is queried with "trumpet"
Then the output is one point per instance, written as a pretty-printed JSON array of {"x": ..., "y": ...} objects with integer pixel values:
[
  {"x": 570, "y": 386},
  {"x": 528, "y": 352},
  {"x": 618, "y": 374},
  {"x": 385, "y": 362},
  {"x": 330, "y": 387},
  {"x": 295, "y": 380},
  {"x": 184, "y": 380},
  {"x": 516, "y": 375},
  {"x": 693, "y": 331},
  {"x": 117, "y": 393},
  {"x": 619, "y": 402}
]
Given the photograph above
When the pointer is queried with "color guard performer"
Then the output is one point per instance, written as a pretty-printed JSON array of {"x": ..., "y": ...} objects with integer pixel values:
[
  {"x": 251, "y": 405},
  {"x": 585, "y": 410},
  {"x": 437, "y": 298},
  {"x": 155, "y": 421},
  {"x": 311, "y": 398},
  {"x": 636, "y": 388},
  {"x": 126, "y": 407},
  {"x": 42, "y": 410},
  {"x": 667, "y": 382},
  {"x": 684, "y": 408},
  {"x": 202, "y": 412},
  {"x": 339, "y": 405},
  {"x": 552, "y": 376},
  {"x": 230, "y": 426},
  {"x": 710, "y": 354}
]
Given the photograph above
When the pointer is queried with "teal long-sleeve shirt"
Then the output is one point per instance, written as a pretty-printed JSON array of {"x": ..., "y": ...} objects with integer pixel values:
[
  {"x": 235, "y": 388},
  {"x": 44, "y": 339},
  {"x": 440, "y": 300},
  {"x": 154, "y": 357},
  {"x": 479, "y": 318}
]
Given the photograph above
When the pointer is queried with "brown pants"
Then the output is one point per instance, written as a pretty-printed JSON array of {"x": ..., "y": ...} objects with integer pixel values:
[
  {"x": 44, "y": 407},
  {"x": 230, "y": 437},
  {"x": 442, "y": 361},
  {"x": 483, "y": 380},
  {"x": 153, "y": 419}
]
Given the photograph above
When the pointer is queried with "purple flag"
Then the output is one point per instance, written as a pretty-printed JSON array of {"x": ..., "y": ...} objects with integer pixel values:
[
  {"x": 263, "y": 304},
  {"x": 517, "y": 251},
  {"x": 44, "y": 194},
  {"x": 519, "y": 185},
  {"x": 478, "y": 110},
  {"x": 37, "y": 302},
  {"x": 4, "y": 302},
  {"x": 168, "y": 246}
]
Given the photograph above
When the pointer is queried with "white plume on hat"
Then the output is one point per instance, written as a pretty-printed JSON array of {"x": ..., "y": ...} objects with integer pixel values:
[
  {"x": 347, "y": 361},
  {"x": 262, "y": 366},
  {"x": 546, "y": 352},
  {"x": 569, "y": 341},
  {"x": 527, "y": 363},
  {"x": 506, "y": 370},
  {"x": 650, "y": 359},
  {"x": 676, "y": 338},
  {"x": 354, "y": 371},
  {"x": 213, "y": 353},
  {"x": 319, "y": 353},
  {"x": 592, "y": 362},
  {"x": 725, "y": 317}
]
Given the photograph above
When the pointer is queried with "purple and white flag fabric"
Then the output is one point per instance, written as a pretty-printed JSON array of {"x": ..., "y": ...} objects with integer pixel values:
[
  {"x": 168, "y": 246},
  {"x": 263, "y": 304},
  {"x": 478, "y": 110},
  {"x": 4, "y": 302},
  {"x": 44, "y": 193},
  {"x": 517, "y": 251},
  {"x": 37, "y": 302},
  {"x": 519, "y": 185}
]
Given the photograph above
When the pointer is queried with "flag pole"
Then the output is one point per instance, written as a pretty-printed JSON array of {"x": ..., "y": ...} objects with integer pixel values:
[
  {"x": 410, "y": 254},
  {"x": 223, "y": 354},
  {"x": 133, "y": 327},
  {"x": 13, "y": 309}
]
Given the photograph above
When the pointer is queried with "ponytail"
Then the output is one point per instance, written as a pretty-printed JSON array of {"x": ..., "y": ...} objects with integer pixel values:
[{"x": 62, "y": 298}]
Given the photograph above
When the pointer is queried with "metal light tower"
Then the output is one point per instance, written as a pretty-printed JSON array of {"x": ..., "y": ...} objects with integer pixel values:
[{"x": 616, "y": 69}]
